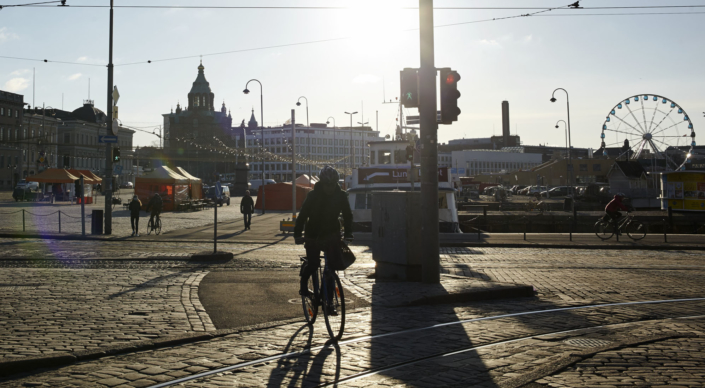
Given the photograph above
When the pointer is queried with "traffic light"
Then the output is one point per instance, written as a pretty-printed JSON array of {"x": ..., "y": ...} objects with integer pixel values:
[
  {"x": 409, "y": 82},
  {"x": 409, "y": 153},
  {"x": 449, "y": 96},
  {"x": 116, "y": 154}
]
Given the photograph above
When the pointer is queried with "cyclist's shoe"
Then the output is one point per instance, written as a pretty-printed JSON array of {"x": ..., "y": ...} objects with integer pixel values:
[{"x": 330, "y": 310}]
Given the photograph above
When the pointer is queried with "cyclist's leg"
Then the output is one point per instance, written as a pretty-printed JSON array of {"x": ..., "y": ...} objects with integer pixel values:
[
  {"x": 150, "y": 224},
  {"x": 313, "y": 258}
]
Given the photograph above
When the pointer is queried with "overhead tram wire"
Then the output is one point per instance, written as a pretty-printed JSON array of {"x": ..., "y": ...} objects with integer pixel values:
[{"x": 541, "y": 13}]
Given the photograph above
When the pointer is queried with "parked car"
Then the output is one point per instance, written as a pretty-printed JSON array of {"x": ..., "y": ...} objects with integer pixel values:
[
  {"x": 22, "y": 194},
  {"x": 516, "y": 188},
  {"x": 126, "y": 185},
  {"x": 560, "y": 191},
  {"x": 210, "y": 193},
  {"x": 30, "y": 185}
]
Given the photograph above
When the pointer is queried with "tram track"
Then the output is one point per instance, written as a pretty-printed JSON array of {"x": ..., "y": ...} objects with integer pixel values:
[{"x": 369, "y": 338}]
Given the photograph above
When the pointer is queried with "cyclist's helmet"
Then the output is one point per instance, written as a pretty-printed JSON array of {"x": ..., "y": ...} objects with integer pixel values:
[
  {"x": 134, "y": 197},
  {"x": 328, "y": 175},
  {"x": 620, "y": 195}
]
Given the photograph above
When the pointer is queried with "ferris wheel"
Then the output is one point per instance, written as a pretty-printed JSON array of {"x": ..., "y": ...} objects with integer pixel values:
[{"x": 652, "y": 126}]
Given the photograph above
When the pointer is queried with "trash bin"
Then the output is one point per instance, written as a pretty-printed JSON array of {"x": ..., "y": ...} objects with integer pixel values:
[
  {"x": 568, "y": 205},
  {"x": 97, "y": 222}
]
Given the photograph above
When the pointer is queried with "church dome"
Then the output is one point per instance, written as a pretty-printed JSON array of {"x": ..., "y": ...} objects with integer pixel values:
[
  {"x": 89, "y": 113},
  {"x": 200, "y": 85}
]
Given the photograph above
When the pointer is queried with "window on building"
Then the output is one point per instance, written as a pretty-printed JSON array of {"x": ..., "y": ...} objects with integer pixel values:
[
  {"x": 596, "y": 167},
  {"x": 583, "y": 167},
  {"x": 17, "y": 113},
  {"x": 9, "y": 112},
  {"x": 2, "y": 132},
  {"x": 2, "y": 111}
]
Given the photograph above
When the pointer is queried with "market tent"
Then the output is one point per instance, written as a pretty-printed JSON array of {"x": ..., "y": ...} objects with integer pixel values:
[
  {"x": 164, "y": 181},
  {"x": 278, "y": 196},
  {"x": 87, "y": 176},
  {"x": 306, "y": 180},
  {"x": 195, "y": 184},
  {"x": 53, "y": 175}
]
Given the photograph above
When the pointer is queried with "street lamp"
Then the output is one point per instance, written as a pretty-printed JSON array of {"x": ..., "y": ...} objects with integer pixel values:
[
  {"x": 308, "y": 139},
  {"x": 261, "y": 116},
  {"x": 569, "y": 177},
  {"x": 335, "y": 148},
  {"x": 352, "y": 152},
  {"x": 566, "y": 133}
]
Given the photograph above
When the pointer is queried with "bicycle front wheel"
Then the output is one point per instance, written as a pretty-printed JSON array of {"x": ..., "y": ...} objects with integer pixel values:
[
  {"x": 334, "y": 306},
  {"x": 149, "y": 227},
  {"x": 604, "y": 230},
  {"x": 158, "y": 228},
  {"x": 309, "y": 302},
  {"x": 635, "y": 230}
]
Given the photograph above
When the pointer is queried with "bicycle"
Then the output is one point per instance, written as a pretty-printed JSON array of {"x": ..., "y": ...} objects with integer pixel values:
[
  {"x": 334, "y": 307},
  {"x": 155, "y": 226},
  {"x": 604, "y": 228}
]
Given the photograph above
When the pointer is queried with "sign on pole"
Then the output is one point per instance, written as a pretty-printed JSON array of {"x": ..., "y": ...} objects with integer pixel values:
[
  {"x": 117, "y": 169},
  {"x": 107, "y": 139},
  {"x": 116, "y": 95}
]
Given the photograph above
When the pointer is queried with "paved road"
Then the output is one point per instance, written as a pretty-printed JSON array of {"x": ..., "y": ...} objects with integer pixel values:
[{"x": 65, "y": 296}]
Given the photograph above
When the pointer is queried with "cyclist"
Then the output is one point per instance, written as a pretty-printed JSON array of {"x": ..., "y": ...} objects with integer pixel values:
[
  {"x": 612, "y": 210},
  {"x": 155, "y": 204},
  {"x": 319, "y": 214}
]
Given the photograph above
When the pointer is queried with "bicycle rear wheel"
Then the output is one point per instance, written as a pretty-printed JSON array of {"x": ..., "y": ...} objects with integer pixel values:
[
  {"x": 604, "y": 230},
  {"x": 635, "y": 230},
  {"x": 149, "y": 227},
  {"x": 310, "y": 302},
  {"x": 158, "y": 228},
  {"x": 333, "y": 306}
]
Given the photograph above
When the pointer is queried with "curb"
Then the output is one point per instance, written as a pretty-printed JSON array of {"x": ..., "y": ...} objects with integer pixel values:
[
  {"x": 567, "y": 246},
  {"x": 500, "y": 292}
]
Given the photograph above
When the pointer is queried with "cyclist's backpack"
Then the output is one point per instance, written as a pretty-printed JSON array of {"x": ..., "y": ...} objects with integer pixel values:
[{"x": 340, "y": 257}]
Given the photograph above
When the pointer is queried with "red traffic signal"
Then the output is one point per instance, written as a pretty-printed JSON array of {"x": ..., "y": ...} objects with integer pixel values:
[{"x": 449, "y": 96}]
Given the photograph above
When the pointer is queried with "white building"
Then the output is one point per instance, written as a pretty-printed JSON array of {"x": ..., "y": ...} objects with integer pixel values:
[
  {"x": 477, "y": 162},
  {"x": 316, "y": 145}
]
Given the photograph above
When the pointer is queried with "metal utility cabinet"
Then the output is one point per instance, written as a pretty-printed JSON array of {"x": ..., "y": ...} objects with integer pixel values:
[{"x": 396, "y": 235}]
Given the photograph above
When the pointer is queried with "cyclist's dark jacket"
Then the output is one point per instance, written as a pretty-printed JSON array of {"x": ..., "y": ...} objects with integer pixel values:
[
  {"x": 155, "y": 203},
  {"x": 615, "y": 205},
  {"x": 320, "y": 214},
  {"x": 135, "y": 206}
]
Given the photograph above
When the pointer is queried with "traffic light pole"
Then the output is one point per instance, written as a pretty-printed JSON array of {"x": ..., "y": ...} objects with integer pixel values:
[
  {"x": 429, "y": 148},
  {"x": 108, "y": 181}
]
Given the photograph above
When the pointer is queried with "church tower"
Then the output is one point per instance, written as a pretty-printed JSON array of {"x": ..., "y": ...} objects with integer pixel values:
[{"x": 200, "y": 98}]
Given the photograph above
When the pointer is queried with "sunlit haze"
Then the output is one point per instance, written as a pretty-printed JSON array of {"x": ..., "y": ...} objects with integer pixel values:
[{"x": 355, "y": 60}]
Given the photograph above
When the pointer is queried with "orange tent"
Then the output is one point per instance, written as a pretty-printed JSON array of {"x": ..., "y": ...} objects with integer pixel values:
[
  {"x": 195, "y": 184},
  {"x": 278, "y": 196},
  {"x": 87, "y": 176},
  {"x": 53, "y": 175},
  {"x": 172, "y": 187}
]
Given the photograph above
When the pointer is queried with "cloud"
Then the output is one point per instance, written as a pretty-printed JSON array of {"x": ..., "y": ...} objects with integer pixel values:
[
  {"x": 15, "y": 85},
  {"x": 490, "y": 43},
  {"x": 528, "y": 38},
  {"x": 82, "y": 59},
  {"x": 5, "y": 35},
  {"x": 365, "y": 79},
  {"x": 20, "y": 72},
  {"x": 74, "y": 77}
]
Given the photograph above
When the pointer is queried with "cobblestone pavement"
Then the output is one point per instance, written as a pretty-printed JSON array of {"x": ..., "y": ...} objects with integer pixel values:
[{"x": 562, "y": 278}]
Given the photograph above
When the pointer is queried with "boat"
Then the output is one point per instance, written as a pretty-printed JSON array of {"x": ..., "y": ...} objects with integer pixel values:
[{"x": 365, "y": 181}]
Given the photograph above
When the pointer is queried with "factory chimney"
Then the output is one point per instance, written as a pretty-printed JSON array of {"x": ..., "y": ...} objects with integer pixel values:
[{"x": 505, "y": 123}]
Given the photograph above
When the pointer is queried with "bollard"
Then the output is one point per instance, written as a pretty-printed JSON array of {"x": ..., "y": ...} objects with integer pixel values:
[
  {"x": 59, "y": 221},
  {"x": 23, "y": 228},
  {"x": 525, "y": 231},
  {"x": 570, "y": 228},
  {"x": 670, "y": 216},
  {"x": 665, "y": 225}
]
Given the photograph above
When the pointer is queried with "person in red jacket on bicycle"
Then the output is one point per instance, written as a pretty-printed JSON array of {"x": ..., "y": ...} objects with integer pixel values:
[{"x": 612, "y": 209}]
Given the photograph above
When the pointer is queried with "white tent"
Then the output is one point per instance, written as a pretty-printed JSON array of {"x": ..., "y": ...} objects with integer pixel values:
[{"x": 306, "y": 180}]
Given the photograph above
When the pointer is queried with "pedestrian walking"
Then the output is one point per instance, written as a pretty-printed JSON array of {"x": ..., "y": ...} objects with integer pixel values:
[
  {"x": 247, "y": 207},
  {"x": 135, "y": 206}
]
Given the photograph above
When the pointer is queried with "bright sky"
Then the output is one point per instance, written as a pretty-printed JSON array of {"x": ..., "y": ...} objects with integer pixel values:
[{"x": 600, "y": 60}]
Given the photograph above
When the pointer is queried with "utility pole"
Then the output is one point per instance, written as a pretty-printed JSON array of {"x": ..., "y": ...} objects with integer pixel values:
[
  {"x": 108, "y": 146},
  {"x": 429, "y": 147}
]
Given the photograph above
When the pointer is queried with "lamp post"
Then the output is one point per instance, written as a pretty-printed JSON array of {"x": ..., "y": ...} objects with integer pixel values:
[
  {"x": 352, "y": 153},
  {"x": 308, "y": 138},
  {"x": 566, "y": 133},
  {"x": 569, "y": 177},
  {"x": 335, "y": 146},
  {"x": 261, "y": 116},
  {"x": 362, "y": 155}
]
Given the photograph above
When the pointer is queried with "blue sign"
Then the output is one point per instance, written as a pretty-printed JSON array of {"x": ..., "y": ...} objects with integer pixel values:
[
  {"x": 117, "y": 169},
  {"x": 107, "y": 139},
  {"x": 460, "y": 171},
  {"x": 218, "y": 190}
]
